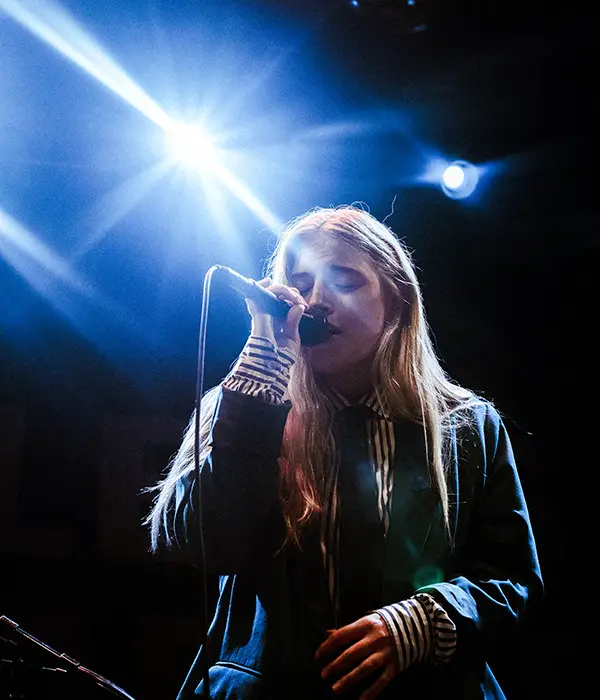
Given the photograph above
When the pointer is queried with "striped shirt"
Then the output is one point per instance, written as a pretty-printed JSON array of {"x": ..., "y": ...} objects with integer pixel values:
[{"x": 420, "y": 627}]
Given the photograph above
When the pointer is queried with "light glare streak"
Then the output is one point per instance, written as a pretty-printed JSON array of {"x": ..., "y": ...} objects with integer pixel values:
[
  {"x": 193, "y": 146},
  {"x": 243, "y": 193},
  {"x": 21, "y": 248},
  {"x": 44, "y": 271},
  {"x": 116, "y": 205},
  {"x": 190, "y": 144},
  {"x": 57, "y": 28}
]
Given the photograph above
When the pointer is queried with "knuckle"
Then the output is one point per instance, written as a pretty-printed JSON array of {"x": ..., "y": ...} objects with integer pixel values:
[
  {"x": 372, "y": 663},
  {"x": 381, "y": 627}
]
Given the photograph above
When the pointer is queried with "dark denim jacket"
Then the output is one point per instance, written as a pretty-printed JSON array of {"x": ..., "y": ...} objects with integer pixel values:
[{"x": 260, "y": 644}]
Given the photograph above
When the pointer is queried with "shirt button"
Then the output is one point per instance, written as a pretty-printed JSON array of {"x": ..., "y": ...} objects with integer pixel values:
[{"x": 272, "y": 364}]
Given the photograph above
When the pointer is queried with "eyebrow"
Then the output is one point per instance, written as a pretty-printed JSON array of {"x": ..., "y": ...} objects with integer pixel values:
[{"x": 333, "y": 268}]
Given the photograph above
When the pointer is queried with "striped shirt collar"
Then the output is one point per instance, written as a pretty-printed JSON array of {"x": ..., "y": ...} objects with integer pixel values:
[{"x": 372, "y": 400}]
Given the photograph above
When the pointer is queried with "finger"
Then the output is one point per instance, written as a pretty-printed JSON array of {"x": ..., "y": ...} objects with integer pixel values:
[
  {"x": 338, "y": 639},
  {"x": 350, "y": 658},
  {"x": 358, "y": 672},
  {"x": 380, "y": 684},
  {"x": 286, "y": 293},
  {"x": 254, "y": 308},
  {"x": 290, "y": 327},
  {"x": 371, "y": 667},
  {"x": 370, "y": 644}
]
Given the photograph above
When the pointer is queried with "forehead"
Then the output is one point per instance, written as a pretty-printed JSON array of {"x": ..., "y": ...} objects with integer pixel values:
[{"x": 318, "y": 251}]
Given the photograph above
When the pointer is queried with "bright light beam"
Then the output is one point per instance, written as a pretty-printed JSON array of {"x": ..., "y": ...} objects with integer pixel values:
[
  {"x": 241, "y": 191},
  {"x": 192, "y": 146},
  {"x": 107, "y": 213},
  {"x": 56, "y": 27},
  {"x": 27, "y": 254},
  {"x": 53, "y": 279}
]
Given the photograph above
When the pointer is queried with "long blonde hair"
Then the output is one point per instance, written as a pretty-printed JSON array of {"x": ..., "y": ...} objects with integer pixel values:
[{"x": 407, "y": 375}]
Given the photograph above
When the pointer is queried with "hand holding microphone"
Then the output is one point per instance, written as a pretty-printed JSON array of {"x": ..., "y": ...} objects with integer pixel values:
[
  {"x": 267, "y": 302},
  {"x": 280, "y": 331}
]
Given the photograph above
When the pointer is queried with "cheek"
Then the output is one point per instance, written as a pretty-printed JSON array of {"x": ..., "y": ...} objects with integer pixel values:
[
  {"x": 376, "y": 325},
  {"x": 370, "y": 318}
]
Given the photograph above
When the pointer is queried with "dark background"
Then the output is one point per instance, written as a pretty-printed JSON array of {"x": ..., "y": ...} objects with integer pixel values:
[{"x": 101, "y": 276}]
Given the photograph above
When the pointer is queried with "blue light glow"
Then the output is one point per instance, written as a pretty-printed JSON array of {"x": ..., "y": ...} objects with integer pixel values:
[
  {"x": 453, "y": 177},
  {"x": 459, "y": 179}
]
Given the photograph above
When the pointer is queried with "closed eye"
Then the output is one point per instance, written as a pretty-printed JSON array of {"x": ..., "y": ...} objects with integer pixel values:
[
  {"x": 339, "y": 287},
  {"x": 341, "y": 280},
  {"x": 346, "y": 287}
]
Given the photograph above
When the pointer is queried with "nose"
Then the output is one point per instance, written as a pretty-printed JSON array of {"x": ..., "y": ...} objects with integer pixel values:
[{"x": 319, "y": 299}]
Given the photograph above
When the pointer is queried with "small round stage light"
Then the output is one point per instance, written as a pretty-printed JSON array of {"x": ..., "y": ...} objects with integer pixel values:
[{"x": 459, "y": 179}]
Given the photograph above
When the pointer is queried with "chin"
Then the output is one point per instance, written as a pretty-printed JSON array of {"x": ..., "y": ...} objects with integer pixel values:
[
  {"x": 323, "y": 361},
  {"x": 330, "y": 364}
]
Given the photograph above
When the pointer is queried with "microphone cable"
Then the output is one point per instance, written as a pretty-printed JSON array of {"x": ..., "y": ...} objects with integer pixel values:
[
  {"x": 313, "y": 329},
  {"x": 198, "y": 405}
]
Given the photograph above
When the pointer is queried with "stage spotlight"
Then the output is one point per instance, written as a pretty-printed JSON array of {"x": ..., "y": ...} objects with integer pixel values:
[
  {"x": 191, "y": 145},
  {"x": 459, "y": 179}
]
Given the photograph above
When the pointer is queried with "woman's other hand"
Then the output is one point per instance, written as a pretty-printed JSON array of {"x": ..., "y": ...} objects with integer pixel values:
[{"x": 357, "y": 652}]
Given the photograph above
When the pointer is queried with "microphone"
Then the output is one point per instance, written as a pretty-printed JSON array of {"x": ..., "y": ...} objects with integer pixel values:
[{"x": 313, "y": 328}]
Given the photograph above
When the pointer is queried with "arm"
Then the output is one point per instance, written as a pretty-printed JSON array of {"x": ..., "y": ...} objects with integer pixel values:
[
  {"x": 239, "y": 485},
  {"x": 497, "y": 570},
  {"x": 240, "y": 520}
]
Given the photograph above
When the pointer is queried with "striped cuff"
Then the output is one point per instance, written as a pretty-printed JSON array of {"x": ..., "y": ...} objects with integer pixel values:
[
  {"x": 421, "y": 629},
  {"x": 262, "y": 370}
]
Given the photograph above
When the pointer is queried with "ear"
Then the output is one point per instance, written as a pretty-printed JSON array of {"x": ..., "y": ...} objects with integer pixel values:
[{"x": 394, "y": 305}]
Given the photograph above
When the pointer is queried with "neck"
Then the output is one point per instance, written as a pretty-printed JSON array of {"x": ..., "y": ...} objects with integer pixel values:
[{"x": 352, "y": 387}]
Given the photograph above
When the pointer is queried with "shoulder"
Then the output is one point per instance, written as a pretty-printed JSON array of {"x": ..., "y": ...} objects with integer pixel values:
[
  {"x": 483, "y": 439},
  {"x": 480, "y": 424},
  {"x": 478, "y": 413}
]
